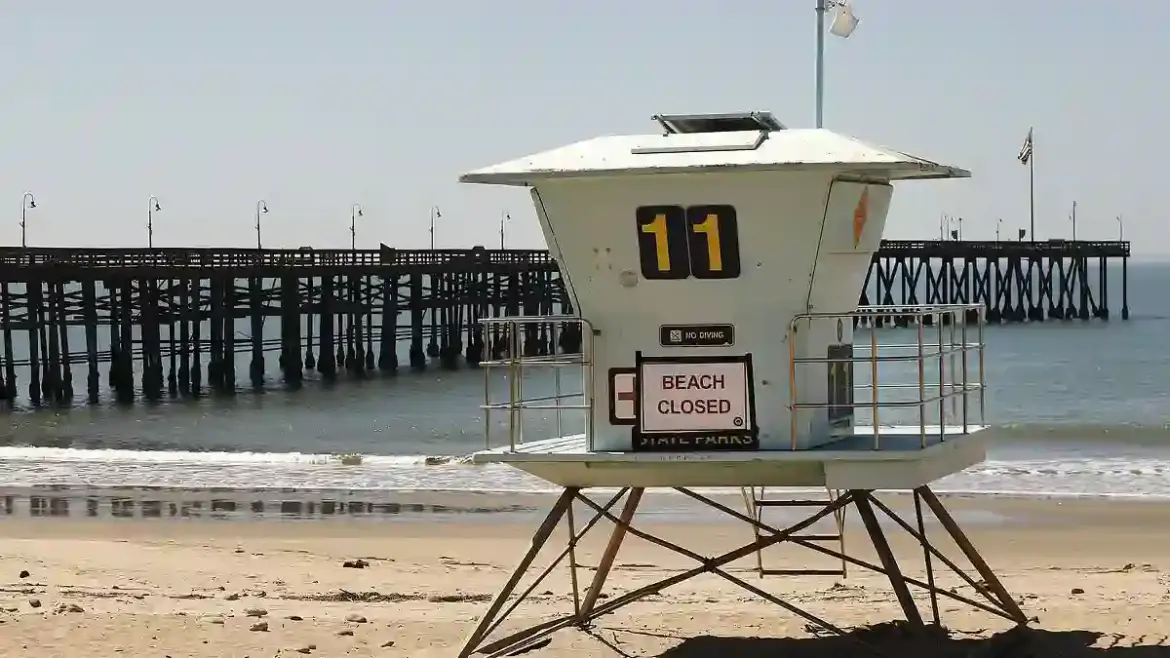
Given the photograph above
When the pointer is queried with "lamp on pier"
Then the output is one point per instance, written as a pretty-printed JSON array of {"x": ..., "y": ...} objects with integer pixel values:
[
  {"x": 27, "y": 202},
  {"x": 435, "y": 214},
  {"x": 151, "y": 208},
  {"x": 355, "y": 212},
  {"x": 505, "y": 217},
  {"x": 261, "y": 209}
]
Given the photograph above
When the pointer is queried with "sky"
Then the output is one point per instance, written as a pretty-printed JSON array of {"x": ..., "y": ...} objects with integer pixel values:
[{"x": 315, "y": 106}]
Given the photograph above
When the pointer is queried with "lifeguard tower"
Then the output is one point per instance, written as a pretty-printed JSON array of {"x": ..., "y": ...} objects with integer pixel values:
[{"x": 715, "y": 268}]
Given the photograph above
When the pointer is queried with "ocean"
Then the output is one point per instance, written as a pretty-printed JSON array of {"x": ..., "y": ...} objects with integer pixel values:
[{"x": 1086, "y": 407}]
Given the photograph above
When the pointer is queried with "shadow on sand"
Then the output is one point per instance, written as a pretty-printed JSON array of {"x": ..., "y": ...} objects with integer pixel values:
[{"x": 892, "y": 640}]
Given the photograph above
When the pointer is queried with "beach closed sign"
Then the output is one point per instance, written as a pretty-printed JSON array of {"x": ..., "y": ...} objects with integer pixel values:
[{"x": 695, "y": 404}]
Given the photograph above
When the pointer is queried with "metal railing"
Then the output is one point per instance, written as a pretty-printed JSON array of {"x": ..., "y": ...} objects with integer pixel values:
[
  {"x": 939, "y": 378},
  {"x": 517, "y": 336},
  {"x": 941, "y": 356}
]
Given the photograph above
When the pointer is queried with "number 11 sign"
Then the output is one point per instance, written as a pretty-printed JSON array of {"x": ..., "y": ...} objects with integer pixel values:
[{"x": 698, "y": 241}]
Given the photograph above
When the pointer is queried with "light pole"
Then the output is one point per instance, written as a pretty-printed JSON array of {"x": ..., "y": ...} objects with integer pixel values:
[
  {"x": 355, "y": 212},
  {"x": 27, "y": 202},
  {"x": 1073, "y": 217},
  {"x": 844, "y": 22},
  {"x": 151, "y": 207},
  {"x": 1120, "y": 229},
  {"x": 960, "y": 228},
  {"x": 435, "y": 214},
  {"x": 261, "y": 209},
  {"x": 998, "y": 225},
  {"x": 505, "y": 217}
]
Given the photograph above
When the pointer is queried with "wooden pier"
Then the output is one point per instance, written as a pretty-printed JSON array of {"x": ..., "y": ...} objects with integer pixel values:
[
  {"x": 187, "y": 322},
  {"x": 164, "y": 319}
]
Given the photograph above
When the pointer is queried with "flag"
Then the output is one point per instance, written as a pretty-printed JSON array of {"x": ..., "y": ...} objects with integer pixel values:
[
  {"x": 1023, "y": 232},
  {"x": 1025, "y": 155},
  {"x": 844, "y": 20}
]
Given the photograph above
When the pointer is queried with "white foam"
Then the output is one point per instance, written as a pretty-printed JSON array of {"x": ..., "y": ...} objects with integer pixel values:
[
  {"x": 1109, "y": 477},
  {"x": 178, "y": 456}
]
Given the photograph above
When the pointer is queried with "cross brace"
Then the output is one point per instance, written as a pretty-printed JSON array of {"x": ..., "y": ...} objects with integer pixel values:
[{"x": 586, "y": 608}]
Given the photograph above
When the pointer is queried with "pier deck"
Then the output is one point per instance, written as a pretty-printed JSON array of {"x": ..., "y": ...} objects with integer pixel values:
[{"x": 182, "y": 322}]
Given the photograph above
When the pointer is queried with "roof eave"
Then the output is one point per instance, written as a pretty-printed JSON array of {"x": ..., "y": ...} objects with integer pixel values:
[{"x": 885, "y": 170}]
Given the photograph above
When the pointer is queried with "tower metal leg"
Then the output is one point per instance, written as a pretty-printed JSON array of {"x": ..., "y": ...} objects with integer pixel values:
[
  {"x": 886, "y": 555},
  {"x": 611, "y": 551},
  {"x": 589, "y": 609},
  {"x": 542, "y": 534},
  {"x": 993, "y": 583}
]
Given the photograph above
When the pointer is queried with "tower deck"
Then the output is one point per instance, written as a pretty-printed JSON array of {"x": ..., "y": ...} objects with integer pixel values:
[{"x": 900, "y": 463}]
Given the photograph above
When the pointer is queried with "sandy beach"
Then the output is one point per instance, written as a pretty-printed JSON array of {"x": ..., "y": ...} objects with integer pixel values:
[{"x": 1096, "y": 575}]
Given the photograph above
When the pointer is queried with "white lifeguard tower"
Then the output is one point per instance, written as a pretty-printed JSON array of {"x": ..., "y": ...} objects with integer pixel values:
[{"x": 715, "y": 268}]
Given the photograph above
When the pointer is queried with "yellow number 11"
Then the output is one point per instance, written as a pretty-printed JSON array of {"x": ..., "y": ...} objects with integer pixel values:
[{"x": 710, "y": 228}]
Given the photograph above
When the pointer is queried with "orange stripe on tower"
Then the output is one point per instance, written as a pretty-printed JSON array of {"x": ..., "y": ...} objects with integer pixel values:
[{"x": 860, "y": 215}]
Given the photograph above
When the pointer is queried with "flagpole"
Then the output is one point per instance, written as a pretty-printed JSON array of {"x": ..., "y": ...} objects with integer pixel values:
[
  {"x": 820, "y": 62},
  {"x": 1032, "y": 184}
]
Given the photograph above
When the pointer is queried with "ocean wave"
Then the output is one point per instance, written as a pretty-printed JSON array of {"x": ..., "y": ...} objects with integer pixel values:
[
  {"x": 40, "y": 454},
  {"x": 1151, "y": 435},
  {"x": 30, "y": 467},
  {"x": 1007, "y": 434}
]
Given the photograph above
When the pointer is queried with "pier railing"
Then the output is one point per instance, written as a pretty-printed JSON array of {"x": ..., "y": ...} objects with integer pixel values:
[
  {"x": 934, "y": 382},
  {"x": 518, "y": 336},
  {"x": 244, "y": 259}
]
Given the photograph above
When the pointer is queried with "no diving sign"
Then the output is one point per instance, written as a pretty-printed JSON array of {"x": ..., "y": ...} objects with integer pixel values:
[{"x": 695, "y": 403}]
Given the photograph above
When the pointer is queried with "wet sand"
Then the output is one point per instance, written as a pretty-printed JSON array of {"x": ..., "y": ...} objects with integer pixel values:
[{"x": 1095, "y": 573}]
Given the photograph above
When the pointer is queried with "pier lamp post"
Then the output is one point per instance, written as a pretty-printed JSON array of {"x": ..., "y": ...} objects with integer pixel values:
[
  {"x": 1120, "y": 229},
  {"x": 151, "y": 208},
  {"x": 261, "y": 209},
  {"x": 844, "y": 23},
  {"x": 505, "y": 217},
  {"x": 1073, "y": 218},
  {"x": 998, "y": 225},
  {"x": 435, "y": 214},
  {"x": 355, "y": 212},
  {"x": 27, "y": 202}
]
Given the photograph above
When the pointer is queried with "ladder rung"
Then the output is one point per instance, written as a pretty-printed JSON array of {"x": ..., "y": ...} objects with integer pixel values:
[
  {"x": 802, "y": 572},
  {"x": 816, "y": 537},
  {"x": 792, "y": 503}
]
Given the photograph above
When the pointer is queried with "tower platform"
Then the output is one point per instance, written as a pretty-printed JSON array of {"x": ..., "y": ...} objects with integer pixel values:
[{"x": 900, "y": 462}]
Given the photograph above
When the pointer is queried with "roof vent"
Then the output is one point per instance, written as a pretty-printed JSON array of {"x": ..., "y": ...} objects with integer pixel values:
[{"x": 675, "y": 124}]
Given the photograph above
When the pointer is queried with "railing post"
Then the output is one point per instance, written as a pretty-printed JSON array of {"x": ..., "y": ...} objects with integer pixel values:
[
  {"x": 982, "y": 383},
  {"x": 487, "y": 390},
  {"x": 792, "y": 409},
  {"x": 921, "y": 383},
  {"x": 963, "y": 354},
  {"x": 557, "y": 378},
  {"x": 518, "y": 402},
  {"x": 954, "y": 370},
  {"x": 873, "y": 360},
  {"x": 942, "y": 379},
  {"x": 512, "y": 376}
]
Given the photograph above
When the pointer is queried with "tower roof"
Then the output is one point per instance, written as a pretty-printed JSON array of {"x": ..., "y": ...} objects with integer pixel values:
[{"x": 712, "y": 152}]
